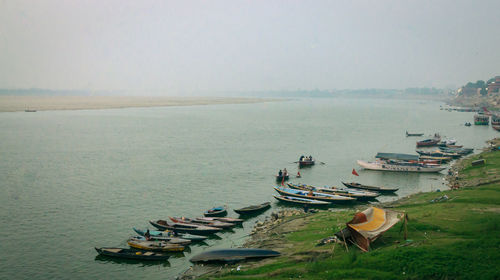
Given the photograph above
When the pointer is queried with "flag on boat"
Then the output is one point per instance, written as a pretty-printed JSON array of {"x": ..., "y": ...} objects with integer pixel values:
[
  {"x": 370, "y": 224},
  {"x": 354, "y": 172}
]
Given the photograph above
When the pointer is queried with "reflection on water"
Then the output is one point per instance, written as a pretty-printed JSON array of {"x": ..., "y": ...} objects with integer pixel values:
[{"x": 140, "y": 263}]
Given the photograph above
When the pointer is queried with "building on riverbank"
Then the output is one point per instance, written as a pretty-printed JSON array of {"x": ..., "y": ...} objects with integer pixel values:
[{"x": 494, "y": 87}]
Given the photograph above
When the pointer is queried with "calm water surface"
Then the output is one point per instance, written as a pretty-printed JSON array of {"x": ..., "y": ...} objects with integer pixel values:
[{"x": 73, "y": 180}]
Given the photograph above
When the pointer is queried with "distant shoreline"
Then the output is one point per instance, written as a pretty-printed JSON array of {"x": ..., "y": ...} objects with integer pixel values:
[{"x": 50, "y": 103}]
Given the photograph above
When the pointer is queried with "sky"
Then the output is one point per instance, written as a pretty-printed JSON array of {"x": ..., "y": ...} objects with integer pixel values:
[{"x": 210, "y": 46}]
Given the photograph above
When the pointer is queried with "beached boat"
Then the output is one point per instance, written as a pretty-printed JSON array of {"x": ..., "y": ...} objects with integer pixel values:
[
  {"x": 159, "y": 246},
  {"x": 222, "y": 219},
  {"x": 371, "y": 188},
  {"x": 447, "y": 142},
  {"x": 217, "y": 224},
  {"x": 171, "y": 240},
  {"x": 481, "y": 119},
  {"x": 413, "y": 134},
  {"x": 171, "y": 234},
  {"x": 429, "y": 142},
  {"x": 185, "y": 228},
  {"x": 460, "y": 151},
  {"x": 399, "y": 167},
  {"x": 314, "y": 195},
  {"x": 397, "y": 156},
  {"x": 131, "y": 254},
  {"x": 301, "y": 201},
  {"x": 355, "y": 193},
  {"x": 233, "y": 255},
  {"x": 219, "y": 211},
  {"x": 253, "y": 208},
  {"x": 438, "y": 153}
]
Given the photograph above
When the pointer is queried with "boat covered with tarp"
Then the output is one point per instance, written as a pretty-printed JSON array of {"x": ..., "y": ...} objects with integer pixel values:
[
  {"x": 234, "y": 255},
  {"x": 370, "y": 224}
]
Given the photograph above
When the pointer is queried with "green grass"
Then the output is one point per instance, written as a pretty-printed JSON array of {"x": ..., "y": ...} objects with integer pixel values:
[{"x": 454, "y": 239}]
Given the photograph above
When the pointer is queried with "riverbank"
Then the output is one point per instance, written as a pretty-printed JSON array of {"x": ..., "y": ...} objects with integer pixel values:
[
  {"x": 451, "y": 234},
  {"x": 45, "y": 103}
]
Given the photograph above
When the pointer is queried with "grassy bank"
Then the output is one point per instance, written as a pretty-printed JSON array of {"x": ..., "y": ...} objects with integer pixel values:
[{"x": 458, "y": 237}]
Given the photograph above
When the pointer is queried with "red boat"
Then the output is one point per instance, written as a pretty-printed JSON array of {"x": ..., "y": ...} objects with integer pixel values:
[
  {"x": 429, "y": 142},
  {"x": 496, "y": 128}
]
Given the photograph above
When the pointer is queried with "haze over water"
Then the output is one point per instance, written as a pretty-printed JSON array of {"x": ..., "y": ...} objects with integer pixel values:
[{"x": 74, "y": 180}]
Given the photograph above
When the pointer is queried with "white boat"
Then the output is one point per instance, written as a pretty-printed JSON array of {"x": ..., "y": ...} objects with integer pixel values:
[{"x": 400, "y": 167}]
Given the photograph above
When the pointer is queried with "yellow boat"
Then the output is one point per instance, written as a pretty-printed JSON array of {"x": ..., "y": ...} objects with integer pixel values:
[{"x": 159, "y": 246}]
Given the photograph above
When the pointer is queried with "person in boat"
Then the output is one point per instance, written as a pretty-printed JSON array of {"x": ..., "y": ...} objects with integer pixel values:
[
  {"x": 301, "y": 158},
  {"x": 280, "y": 174},
  {"x": 310, "y": 193},
  {"x": 310, "y": 158},
  {"x": 147, "y": 235},
  {"x": 285, "y": 172}
]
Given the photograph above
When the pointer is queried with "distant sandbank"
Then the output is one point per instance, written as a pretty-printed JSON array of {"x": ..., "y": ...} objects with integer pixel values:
[{"x": 45, "y": 103}]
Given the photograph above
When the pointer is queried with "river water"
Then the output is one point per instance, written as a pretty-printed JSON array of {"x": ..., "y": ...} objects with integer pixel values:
[{"x": 73, "y": 180}]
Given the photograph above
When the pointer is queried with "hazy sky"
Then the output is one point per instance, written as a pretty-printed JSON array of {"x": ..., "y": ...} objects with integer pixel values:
[{"x": 212, "y": 45}]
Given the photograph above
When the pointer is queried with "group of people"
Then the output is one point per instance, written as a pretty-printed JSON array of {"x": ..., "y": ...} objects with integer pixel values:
[
  {"x": 303, "y": 158},
  {"x": 283, "y": 173}
]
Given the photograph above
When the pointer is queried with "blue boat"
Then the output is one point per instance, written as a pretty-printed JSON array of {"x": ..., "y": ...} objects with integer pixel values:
[
  {"x": 219, "y": 211},
  {"x": 301, "y": 201}
]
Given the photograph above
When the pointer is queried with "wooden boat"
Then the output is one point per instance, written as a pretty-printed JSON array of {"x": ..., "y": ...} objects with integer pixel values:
[
  {"x": 158, "y": 246},
  {"x": 497, "y": 128},
  {"x": 301, "y": 201},
  {"x": 29, "y": 111},
  {"x": 468, "y": 124},
  {"x": 219, "y": 211},
  {"x": 438, "y": 153},
  {"x": 233, "y": 255},
  {"x": 413, "y": 134},
  {"x": 429, "y": 142},
  {"x": 217, "y": 224},
  {"x": 280, "y": 178},
  {"x": 252, "y": 209},
  {"x": 349, "y": 192},
  {"x": 306, "y": 163},
  {"x": 460, "y": 151},
  {"x": 171, "y": 240},
  {"x": 172, "y": 234},
  {"x": 439, "y": 159},
  {"x": 185, "y": 228},
  {"x": 222, "y": 219},
  {"x": 131, "y": 254},
  {"x": 314, "y": 195},
  {"x": 399, "y": 166},
  {"x": 454, "y": 146},
  {"x": 371, "y": 188}
]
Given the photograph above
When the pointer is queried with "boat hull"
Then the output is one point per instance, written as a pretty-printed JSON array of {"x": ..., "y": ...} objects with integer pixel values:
[
  {"x": 301, "y": 201},
  {"x": 371, "y": 188},
  {"x": 131, "y": 254},
  {"x": 253, "y": 209},
  {"x": 398, "y": 168},
  {"x": 316, "y": 196}
]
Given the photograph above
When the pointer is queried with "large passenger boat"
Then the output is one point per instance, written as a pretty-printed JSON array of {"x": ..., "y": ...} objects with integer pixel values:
[
  {"x": 480, "y": 119},
  {"x": 495, "y": 119}
]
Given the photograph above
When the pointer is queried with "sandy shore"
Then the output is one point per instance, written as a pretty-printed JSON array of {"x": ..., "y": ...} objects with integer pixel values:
[{"x": 44, "y": 103}]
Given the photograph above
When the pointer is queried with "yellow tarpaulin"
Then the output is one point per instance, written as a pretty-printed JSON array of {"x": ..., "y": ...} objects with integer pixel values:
[{"x": 368, "y": 225}]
